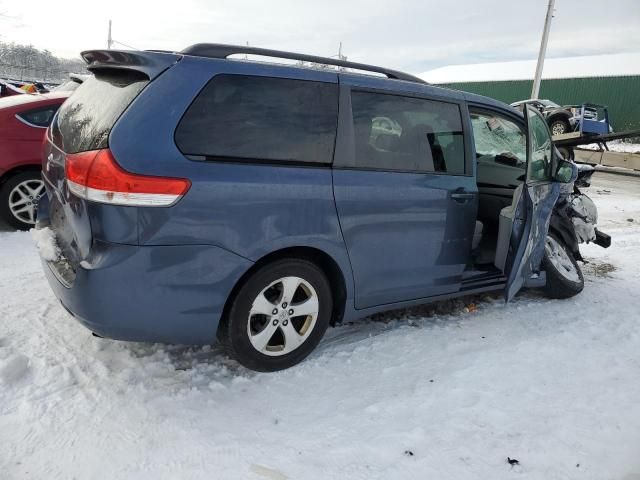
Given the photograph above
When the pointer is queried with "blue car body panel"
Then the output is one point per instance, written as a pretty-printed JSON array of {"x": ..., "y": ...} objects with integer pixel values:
[
  {"x": 406, "y": 237},
  {"x": 534, "y": 209},
  {"x": 419, "y": 236},
  {"x": 170, "y": 294}
]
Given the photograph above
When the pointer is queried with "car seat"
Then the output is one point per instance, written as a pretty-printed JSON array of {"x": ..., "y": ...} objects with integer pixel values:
[{"x": 507, "y": 216}]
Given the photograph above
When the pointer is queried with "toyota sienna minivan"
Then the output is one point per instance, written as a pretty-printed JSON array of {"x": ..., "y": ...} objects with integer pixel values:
[{"x": 195, "y": 196}]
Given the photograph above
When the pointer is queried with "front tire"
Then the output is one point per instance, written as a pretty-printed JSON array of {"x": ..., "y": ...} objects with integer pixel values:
[
  {"x": 564, "y": 276},
  {"x": 278, "y": 316},
  {"x": 559, "y": 127}
]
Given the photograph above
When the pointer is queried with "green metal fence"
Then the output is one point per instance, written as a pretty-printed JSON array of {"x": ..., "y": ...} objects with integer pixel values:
[{"x": 620, "y": 94}]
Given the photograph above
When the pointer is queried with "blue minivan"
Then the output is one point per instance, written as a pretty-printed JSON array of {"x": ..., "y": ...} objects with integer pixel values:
[{"x": 195, "y": 196}]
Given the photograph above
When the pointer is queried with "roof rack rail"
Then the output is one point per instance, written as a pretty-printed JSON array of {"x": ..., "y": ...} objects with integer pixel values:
[{"x": 219, "y": 50}]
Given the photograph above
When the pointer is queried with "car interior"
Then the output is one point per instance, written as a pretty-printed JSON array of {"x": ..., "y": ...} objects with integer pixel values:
[{"x": 501, "y": 163}]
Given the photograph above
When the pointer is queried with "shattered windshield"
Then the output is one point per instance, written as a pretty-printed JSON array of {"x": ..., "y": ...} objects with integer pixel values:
[{"x": 495, "y": 135}]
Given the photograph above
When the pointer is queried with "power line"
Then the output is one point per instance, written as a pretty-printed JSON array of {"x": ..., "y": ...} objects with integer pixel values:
[
  {"x": 124, "y": 45},
  {"x": 111, "y": 41}
]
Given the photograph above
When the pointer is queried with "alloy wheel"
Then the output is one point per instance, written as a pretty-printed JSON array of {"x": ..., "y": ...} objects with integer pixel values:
[
  {"x": 558, "y": 128},
  {"x": 23, "y": 200},
  {"x": 283, "y": 316},
  {"x": 560, "y": 259}
]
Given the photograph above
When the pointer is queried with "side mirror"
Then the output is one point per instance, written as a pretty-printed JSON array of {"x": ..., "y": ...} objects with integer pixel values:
[{"x": 566, "y": 172}]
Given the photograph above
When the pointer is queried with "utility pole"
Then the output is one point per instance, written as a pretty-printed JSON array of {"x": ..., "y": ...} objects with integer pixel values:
[
  {"x": 535, "y": 91},
  {"x": 340, "y": 56},
  {"x": 109, "y": 39}
]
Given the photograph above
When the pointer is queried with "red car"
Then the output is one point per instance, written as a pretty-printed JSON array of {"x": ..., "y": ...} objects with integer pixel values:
[
  {"x": 23, "y": 122},
  {"x": 7, "y": 90}
]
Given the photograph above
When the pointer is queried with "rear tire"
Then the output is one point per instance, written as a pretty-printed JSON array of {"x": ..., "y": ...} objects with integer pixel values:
[
  {"x": 262, "y": 330},
  {"x": 19, "y": 197},
  {"x": 564, "y": 276}
]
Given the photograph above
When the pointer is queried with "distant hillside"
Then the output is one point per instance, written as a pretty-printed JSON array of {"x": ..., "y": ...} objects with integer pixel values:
[{"x": 24, "y": 62}]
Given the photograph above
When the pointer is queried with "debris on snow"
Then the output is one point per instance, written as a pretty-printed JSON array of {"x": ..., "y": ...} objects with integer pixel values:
[
  {"x": 267, "y": 472},
  {"x": 599, "y": 269},
  {"x": 471, "y": 308}
]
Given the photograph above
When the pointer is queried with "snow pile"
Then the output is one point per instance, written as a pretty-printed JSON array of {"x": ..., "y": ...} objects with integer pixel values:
[
  {"x": 433, "y": 392},
  {"x": 45, "y": 239},
  {"x": 13, "y": 368},
  {"x": 616, "y": 146}
]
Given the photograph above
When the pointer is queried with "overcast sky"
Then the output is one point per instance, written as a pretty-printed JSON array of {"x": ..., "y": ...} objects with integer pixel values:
[{"x": 413, "y": 35}]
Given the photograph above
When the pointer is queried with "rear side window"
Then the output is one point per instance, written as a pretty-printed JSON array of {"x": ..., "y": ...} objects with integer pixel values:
[
  {"x": 39, "y": 117},
  {"x": 392, "y": 132},
  {"x": 261, "y": 118},
  {"x": 85, "y": 120}
]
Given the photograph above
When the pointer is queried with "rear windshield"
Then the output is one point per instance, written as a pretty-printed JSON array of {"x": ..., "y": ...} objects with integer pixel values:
[{"x": 86, "y": 118}]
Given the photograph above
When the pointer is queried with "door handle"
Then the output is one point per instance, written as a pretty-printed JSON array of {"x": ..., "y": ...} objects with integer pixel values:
[{"x": 462, "y": 196}]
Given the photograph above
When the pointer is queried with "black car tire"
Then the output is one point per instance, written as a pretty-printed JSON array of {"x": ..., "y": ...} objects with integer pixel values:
[
  {"x": 234, "y": 329},
  {"x": 559, "y": 126},
  {"x": 558, "y": 285},
  {"x": 5, "y": 191}
]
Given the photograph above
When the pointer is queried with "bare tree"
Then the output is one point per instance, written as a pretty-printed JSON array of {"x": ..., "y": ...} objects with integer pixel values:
[{"x": 25, "y": 62}]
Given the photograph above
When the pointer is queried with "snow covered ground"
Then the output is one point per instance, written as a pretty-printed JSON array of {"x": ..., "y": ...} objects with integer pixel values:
[
  {"x": 440, "y": 392},
  {"x": 616, "y": 146}
]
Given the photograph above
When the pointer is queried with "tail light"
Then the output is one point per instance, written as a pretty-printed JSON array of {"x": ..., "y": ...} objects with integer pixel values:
[{"x": 95, "y": 175}]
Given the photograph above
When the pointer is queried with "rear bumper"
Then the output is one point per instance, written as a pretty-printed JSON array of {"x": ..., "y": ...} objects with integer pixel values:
[{"x": 167, "y": 294}]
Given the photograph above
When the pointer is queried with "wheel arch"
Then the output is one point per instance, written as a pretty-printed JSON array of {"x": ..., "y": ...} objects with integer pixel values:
[
  {"x": 563, "y": 228},
  {"x": 320, "y": 258},
  {"x": 18, "y": 170},
  {"x": 558, "y": 115}
]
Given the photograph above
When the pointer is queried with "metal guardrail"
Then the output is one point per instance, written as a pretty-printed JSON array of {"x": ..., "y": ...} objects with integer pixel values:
[
  {"x": 608, "y": 159},
  {"x": 569, "y": 142},
  {"x": 574, "y": 139}
]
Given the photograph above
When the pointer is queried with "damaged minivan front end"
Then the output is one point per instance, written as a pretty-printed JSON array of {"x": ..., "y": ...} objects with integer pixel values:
[{"x": 575, "y": 216}]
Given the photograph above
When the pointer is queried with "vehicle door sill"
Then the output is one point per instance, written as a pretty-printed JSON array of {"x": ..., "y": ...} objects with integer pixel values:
[{"x": 471, "y": 289}]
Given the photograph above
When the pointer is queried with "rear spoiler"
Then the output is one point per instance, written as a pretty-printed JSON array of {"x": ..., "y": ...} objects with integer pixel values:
[{"x": 151, "y": 63}]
